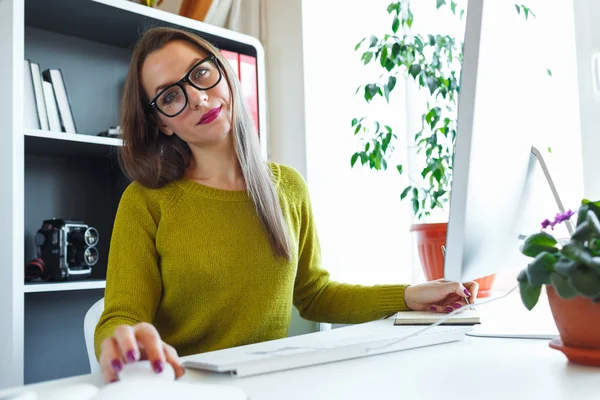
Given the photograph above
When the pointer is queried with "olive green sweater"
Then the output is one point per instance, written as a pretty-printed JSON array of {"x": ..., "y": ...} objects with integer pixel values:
[{"x": 195, "y": 262}]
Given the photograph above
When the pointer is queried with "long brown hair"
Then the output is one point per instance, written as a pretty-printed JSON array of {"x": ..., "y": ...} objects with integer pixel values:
[{"x": 155, "y": 159}]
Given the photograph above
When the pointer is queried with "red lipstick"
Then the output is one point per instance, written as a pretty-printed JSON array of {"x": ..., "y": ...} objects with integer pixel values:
[{"x": 210, "y": 116}]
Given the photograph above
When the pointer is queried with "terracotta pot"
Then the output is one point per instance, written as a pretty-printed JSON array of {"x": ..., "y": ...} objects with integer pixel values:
[
  {"x": 577, "y": 321},
  {"x": 430, "y": 239}
]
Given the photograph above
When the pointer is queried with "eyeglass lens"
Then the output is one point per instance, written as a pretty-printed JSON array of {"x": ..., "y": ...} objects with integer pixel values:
[{"x": 203, "y": 76}]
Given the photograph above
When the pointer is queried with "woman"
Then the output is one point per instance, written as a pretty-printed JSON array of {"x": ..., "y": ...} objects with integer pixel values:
[{"x": 212, "y": 246}]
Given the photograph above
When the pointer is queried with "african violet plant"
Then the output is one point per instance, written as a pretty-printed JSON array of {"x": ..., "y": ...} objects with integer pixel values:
[{"x": 573, "y": 269}]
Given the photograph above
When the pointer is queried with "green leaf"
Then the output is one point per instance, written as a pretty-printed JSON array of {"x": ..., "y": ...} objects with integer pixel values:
[
  {"x": 399, "y": 168},
  {"x": 391, "y": 82},
  {"x": 582, "y": 213},
  {"x": 518, "y": 8},
  {"x": 405, "y": 192},
  {"x": 594, "y": 222},
  {"x": 357, "y": 128},
  {"x": 353, "y": 160},
  {"x": 433, "y": 84},
  {"x": 549, "y": 150},
  {"x": 363, "y": 158},
  {"x": 565, "y": 266},
  {"x": 395, "y": 25},
  {"x": 562, "y": 286},
  {"x": 415, "y": 204},
  {"x": 354, "y": 121},
  {"x": 370, "y": 91},
  {"x": 440, "y": 3},
  {"x": 548, "y": 71},
  {"x": 529, "y": 294},
  {"x": 410, "y": 19},
  {"x": 453, "y": 7},
  {"x": 539, "y": 270},
  {"x": 414, "y": 70},
  {"x": 576, "y": 252},
  {"x": 394, "y": 6},
  {"x": 462, "y": 14},
  {"x": 367, "y": 57},
  {"x": 386, "y": 92},
  {"x": 586, "y": 281},
  {"x": 358, "y": 44},
  {"x": 373, "y": 41},
  {"x": 537, "y": 243}
]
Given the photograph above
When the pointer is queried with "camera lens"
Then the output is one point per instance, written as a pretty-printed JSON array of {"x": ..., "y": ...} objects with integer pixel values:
[
  {"x": 91, "y": 236},
  {"x": 88, "y": 257},
  {"x": 88, "y": 237}
]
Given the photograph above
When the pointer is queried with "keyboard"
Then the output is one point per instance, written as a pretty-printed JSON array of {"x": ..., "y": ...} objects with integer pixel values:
[{"x": 340, "y": 344}]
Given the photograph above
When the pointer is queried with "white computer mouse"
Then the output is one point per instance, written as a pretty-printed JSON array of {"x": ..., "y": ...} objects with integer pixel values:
[{"x": 142, "y": 370}]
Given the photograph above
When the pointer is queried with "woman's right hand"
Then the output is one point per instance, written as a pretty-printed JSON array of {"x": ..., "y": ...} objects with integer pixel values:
[{"x": 134, "y": 343}]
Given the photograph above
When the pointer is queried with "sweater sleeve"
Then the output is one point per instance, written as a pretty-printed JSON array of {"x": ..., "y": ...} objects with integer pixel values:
[
  {"x": 133, "y": 281},
  {"x": 322, "y": 300}
]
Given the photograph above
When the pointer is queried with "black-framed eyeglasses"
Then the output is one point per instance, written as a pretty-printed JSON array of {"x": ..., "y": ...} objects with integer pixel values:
[{"x": 172, "y": 100}]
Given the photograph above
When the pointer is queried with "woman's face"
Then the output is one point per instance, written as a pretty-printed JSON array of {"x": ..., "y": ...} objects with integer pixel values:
[{"x": 206, "y": 118}]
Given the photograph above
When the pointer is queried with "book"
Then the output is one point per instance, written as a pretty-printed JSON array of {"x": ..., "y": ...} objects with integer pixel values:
[
  {"x": 51, "y": 107},
  {"x": 30, "y": 112},
  {"x": 63, "y": 103},
  {"x": 469, "y": 317},
  {"x": 36, "y": 76}
]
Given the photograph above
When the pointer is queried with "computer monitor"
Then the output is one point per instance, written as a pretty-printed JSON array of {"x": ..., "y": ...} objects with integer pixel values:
[{"x": 493, "y": 162}]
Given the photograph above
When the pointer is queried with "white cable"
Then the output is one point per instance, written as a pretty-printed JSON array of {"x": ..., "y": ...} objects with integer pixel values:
[{"x": 439, "y": 322}]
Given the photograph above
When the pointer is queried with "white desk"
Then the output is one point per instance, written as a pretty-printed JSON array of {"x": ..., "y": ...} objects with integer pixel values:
[{"x": 487, "y": 368}]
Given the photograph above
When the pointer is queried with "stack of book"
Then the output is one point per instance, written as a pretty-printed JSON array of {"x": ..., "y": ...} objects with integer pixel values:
[{"x": 47, "y": 104}]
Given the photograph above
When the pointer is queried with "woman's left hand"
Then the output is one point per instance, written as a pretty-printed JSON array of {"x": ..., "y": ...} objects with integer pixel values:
[{"x": 440, "y": 296}]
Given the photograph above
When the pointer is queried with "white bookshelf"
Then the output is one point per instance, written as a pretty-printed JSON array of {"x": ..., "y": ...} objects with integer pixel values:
[
  {"x": 54, "y": 174},
  {"x": 62, "y": 143},
  {"x": 43, "y": 287}
]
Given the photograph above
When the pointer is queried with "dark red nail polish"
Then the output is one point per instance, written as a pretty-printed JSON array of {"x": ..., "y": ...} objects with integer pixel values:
[
  {"x": 457, "y": 305},
  {"x": 432, "y": 308},
  {"x": 113, "y": 380},
  {"x": 158, "y": 366},
  {"x": 467, "y": 292},
  {"x": 131, "y": 356},
  {"x": 117, "y": 365},
  {"x": 448, "y": 309}
]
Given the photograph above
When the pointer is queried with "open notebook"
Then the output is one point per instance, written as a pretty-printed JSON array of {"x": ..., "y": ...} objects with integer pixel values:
[{"x": 469, "y": 317}]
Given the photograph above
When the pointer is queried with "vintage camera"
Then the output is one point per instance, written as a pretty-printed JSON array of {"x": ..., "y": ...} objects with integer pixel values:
[{"x": 66, "y": 250}]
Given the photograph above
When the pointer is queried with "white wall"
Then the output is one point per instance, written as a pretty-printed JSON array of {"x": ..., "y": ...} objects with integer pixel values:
[{"x": 587, "y": 30}]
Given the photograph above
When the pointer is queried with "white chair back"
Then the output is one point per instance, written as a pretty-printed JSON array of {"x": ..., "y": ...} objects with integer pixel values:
[{"x": 89, "y": 326}]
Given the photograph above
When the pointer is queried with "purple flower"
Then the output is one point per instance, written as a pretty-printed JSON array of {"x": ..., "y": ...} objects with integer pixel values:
[{"x": 558, "y": 219}]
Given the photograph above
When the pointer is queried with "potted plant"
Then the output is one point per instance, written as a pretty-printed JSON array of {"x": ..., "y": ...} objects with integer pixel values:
[
  {"x": 570, "y": 272},
  {"x": 433, "y": 62}
]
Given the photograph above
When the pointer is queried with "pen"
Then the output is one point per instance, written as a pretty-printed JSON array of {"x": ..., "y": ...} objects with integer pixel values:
[{"x": 468, "y": 303}]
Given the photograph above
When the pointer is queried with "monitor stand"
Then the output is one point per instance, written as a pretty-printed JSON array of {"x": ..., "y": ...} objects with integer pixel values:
[{"x": 508, "y": 317}]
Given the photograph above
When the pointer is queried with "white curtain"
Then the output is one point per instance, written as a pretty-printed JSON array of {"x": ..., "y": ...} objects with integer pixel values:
[{"x": 244, "y": 16}]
